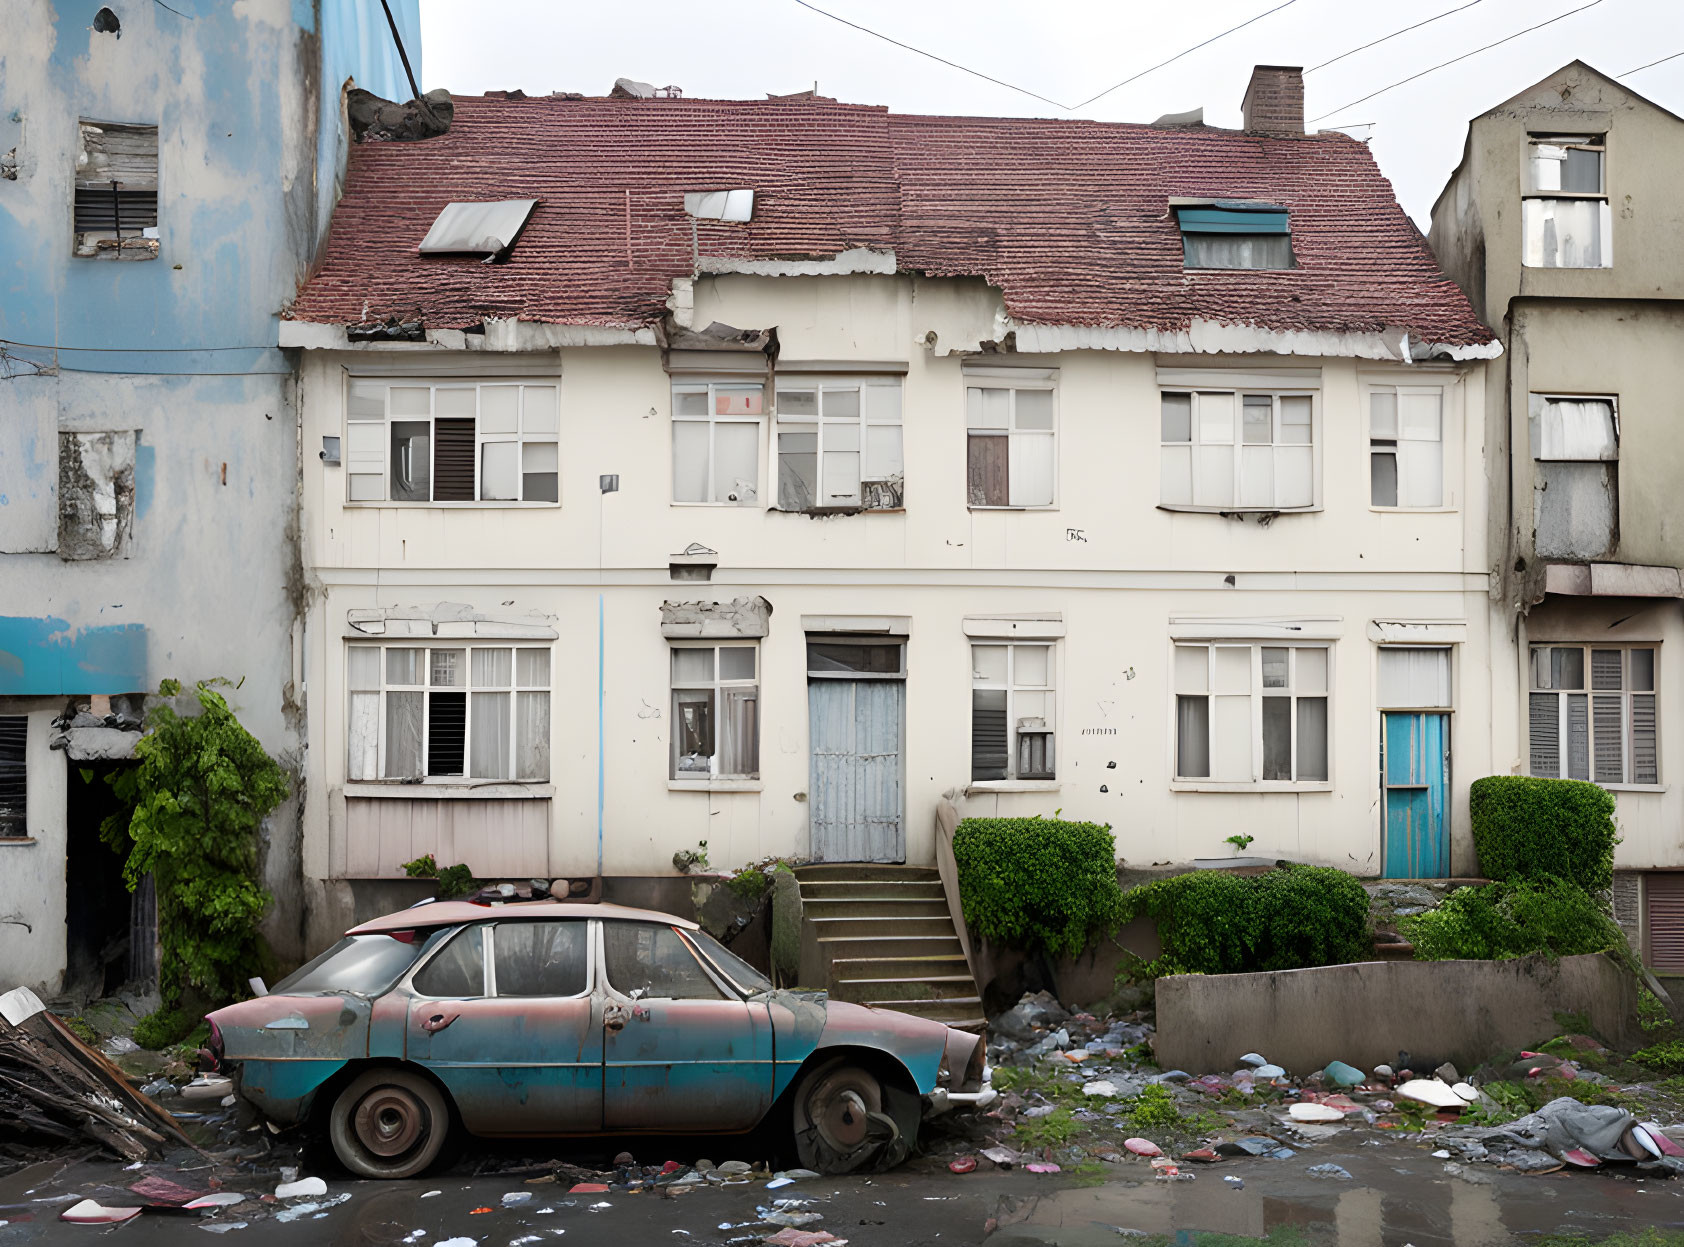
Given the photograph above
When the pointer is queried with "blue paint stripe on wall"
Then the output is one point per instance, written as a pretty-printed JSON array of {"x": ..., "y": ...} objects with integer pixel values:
[{"x": 45, "y": 657}]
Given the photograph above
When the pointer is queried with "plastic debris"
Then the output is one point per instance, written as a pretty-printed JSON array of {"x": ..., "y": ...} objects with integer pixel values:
[
  {"x": 779, "y": 1183},
  {"x": 222, "y": 1227},
  {"x": 1441, "y": 1154},
  {"x": 216, "y": 1199},
  {"x": 1042, "y": 1166},
  {"x": 1342, "y": 1075},
  {"x": 460, "y": 1242},
  {"x": 789, "y": 1236},
  {"x": 587, "y": 1188},
  {"x": 119, "y": 1045},
  {"x": 207, "y": 1087},
  {"x": 313, "y": 1209},
  {"x": 1103, "y": 1088},
  {"x": 516, "y": 1197},
  {"x": 1253, "y": 1059},
  {"x": 1004, "y": 1157},
  {"x": 1237, "y": 1183},
  {"x": 964, "y": 1164},
  {"x": 1201, "y": 1156},
  {"x": 430, "y": 1194},
  {"x": 1315, "y": 1112},
  {"x": 1329, "y": 1171},
  {"x": 1270, "y": 1072},
  {"x": 156, "y": 1190},
  {"x": 92, "y": 1212},
  {"x": 732, "y": 1167},
  {"x": 300, "y": 1188},
  {"x": 1143, "y": 1147},
  {"x": 1430, "y": 1091},
  {"x": 1467, "y": 1091}
]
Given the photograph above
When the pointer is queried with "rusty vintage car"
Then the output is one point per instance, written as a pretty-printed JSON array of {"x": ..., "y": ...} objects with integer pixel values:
[{"x": 535, "y": 1018}]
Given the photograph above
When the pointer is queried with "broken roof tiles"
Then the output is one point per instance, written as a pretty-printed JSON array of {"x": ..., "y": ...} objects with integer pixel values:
[{"x": 1071, "y": 220}]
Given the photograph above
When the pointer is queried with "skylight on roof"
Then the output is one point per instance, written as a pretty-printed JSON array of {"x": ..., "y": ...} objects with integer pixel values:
[
  {"x": 1234, "y": 234},
  {"x": 487, "y": 229},
  {"x": 720, "y": 205}
]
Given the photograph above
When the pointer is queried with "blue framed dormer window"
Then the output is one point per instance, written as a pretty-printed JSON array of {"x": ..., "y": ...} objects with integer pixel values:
[{"x": 1234, "y": 234}]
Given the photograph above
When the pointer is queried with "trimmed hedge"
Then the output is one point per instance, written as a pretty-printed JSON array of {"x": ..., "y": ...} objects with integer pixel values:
[
  {"x": 1554, "y": 917},
  {"x": 1037, "y": 884},
  {"x": 1528, "y": 828},
  {"x": 1214, "y": 922}
]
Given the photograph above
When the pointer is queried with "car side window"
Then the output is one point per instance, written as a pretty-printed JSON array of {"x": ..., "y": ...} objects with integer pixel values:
[
  {"x": 459, "y": 968},
  {"x": 539, "y": 958},
  {"x": 647, "y": 960}
]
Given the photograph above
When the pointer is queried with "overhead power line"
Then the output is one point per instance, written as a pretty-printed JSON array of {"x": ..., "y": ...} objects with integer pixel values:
[
  {"x": 1382, "y": 39},
  {"x": 1628, "y": 73},
  {"x": 1455, "y": 59},
  {"x": 1178, "y": 55},
  {"x": 975, "y": 73}
]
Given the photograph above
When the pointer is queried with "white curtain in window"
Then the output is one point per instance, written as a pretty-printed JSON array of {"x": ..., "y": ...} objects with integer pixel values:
[
  {"x": 1566, "y": 233},
  {"x": 363, "y": 736},
  {"x": 532, "y": 668},
  {"x": 403, "y": 734},
  {"x": 736, "y": 462},
  {"x": 532, "y": 735},
  {"x": 488, "y": 736},
  {"x": 1192, "y": 737},
  {"x": 690, "y": 460},
  {"x": 491, "y": 668},
  {"x": 742, "y": 732},
  {"x": 1030, "y": 469},
  {"x": 1414, "y": 678},
  {"x": 1577, "y": 429}
]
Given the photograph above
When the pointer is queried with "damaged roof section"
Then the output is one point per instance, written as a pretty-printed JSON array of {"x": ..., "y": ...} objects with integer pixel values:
[
  {"x": 488, "y": 229},
  {"x": 1072, "y": 221}
]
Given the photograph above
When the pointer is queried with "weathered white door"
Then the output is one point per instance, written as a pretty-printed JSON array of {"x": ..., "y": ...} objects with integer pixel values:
[{"x": 856, "y": 792}]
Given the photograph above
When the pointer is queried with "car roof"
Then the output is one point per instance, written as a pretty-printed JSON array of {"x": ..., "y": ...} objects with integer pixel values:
[{"x": 453, "y": 913}]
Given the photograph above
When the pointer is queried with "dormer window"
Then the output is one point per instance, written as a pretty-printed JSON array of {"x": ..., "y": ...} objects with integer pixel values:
[
  {"x": 1233, "y": 234},
  {"x": 1564, "y": 214}
]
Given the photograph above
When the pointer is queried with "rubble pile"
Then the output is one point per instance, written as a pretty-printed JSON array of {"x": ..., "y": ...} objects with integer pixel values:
[
  {"x": 1078, "y": 1089},
  {"x": 55, "y": 1090}
]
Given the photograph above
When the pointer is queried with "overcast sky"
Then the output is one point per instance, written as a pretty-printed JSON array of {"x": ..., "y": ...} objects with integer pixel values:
[{"x": 1068, "y": 51}]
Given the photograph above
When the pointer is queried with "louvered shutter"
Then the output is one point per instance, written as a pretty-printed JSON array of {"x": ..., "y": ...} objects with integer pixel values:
[
  {"x": 988, "y": 734},
  {"x": 1663, "y": 896},
  {"x": 1546, "y": 735},
  {"x": 14, "y": 786},
  {"x": 1645, "y": 769},
  {"x": 1578, "y": 737},
  {"x": 453, "y": 460},
  {"x": 1610, "y": 751}
]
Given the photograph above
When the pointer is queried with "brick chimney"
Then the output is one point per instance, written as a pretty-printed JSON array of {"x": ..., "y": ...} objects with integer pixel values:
[{"x": 1274, "y": 100}]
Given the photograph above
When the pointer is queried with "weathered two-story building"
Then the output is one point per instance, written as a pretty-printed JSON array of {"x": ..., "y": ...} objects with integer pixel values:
[
  {"x": 165, "y": 182},
  {"x": 754, "y": 473},
  {"x": 1564, "y": 225}
]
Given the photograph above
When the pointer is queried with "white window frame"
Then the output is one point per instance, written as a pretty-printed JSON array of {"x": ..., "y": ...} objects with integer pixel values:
[
  {"x": 1256, "y": 694},
  {"x": 717, "y": 686},
  {"x": 361, "y": 462},
  {"x": 710, "y": 386},
  {"x": 514, "y": 688},
  {"x": 870, "y": 474},
  {"x": 1378, "y": 445},
  {"x": 1012, "y": 688},
  {"x": 1195, "y": 445},
  {"x": 1013, "y": 381},
  {"x": 1626, "y": 694},
  {"x": 1530, "y": 196}
]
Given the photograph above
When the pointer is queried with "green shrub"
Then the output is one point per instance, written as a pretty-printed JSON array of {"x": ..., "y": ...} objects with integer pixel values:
[
  {"x": 1039, "y": 884},
  {"x": 1214, "y": 922},
  {"x": 1652, "y": 1015},
  {"x": 1503, "y": 920},
  {"x": 1663, "y": 1058},
  {"x": 164, "y": 1027},
  {"x": 1527, "y": 828},
  {"x": 453, "y": 881}
]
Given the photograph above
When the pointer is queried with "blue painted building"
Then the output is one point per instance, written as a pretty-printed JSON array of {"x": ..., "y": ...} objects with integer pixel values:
[{"x": 166, "y": 179}]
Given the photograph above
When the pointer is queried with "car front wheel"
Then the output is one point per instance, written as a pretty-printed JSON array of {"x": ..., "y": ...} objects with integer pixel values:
[
  {"x": 388, "y": 1123},
  {"x": 840, "y": 1122}
]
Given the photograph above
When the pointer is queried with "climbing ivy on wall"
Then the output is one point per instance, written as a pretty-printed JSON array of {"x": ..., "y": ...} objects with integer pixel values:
[{"x": 198, "y": 797}]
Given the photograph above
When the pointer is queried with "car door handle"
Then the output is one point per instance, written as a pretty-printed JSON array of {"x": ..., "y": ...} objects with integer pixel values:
[{"x": 438, "y": 1022}]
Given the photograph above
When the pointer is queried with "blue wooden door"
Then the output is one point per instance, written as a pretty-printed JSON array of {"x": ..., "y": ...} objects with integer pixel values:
[
  {"x": 855, "y": 793},
  {"x": 1416, "y": 779}
]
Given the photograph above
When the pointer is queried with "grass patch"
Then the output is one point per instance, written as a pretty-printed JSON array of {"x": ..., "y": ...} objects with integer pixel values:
[
  {"x": 1662, "y": 1058},
  {"x": 82, "y": 1031},
  {"x": 1653, "y": 1236}
]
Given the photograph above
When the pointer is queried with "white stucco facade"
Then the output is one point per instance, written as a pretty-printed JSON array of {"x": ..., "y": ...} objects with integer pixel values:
[{"x": 1106, "y": 576}]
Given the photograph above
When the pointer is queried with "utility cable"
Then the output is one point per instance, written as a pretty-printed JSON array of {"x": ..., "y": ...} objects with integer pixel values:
[
  {"x": 975, "y": 73},
  {"x": 1382, "y": 39},
  {"x": 1628, "y": 73},
  {"x": 1178, "y": 55},
  {"x": 1453, "y": 60},
  {"x": 134, "y": 350}
]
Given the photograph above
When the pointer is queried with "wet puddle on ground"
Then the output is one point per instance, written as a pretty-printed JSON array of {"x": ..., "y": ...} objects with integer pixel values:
[{"x": 1401, "y": 1199}]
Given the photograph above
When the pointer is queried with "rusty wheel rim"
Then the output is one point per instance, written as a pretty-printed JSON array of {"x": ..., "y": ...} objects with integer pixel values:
[
  {"x": 838, "y": 1109},
  {"x": 390, "y": 1121}
]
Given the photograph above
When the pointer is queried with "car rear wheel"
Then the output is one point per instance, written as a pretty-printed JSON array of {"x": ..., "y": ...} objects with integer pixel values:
[
  {"x": 388, "y": 1123},
  {"x": 840, "y": 1122}
]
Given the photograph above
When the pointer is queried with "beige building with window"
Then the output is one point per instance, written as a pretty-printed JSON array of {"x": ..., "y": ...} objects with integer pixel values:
[
  {"x": 1585, "y": 455},
  {"x": 1137, "y": 476}
]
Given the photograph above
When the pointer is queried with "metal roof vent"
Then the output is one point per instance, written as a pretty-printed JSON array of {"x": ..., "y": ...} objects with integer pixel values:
[
  {"x": 487, "y": 229},
  {"x": 720, "y": 205}
]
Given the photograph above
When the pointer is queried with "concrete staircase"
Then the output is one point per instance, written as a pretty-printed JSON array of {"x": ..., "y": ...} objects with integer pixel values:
[{"x": 882, "y": 935}]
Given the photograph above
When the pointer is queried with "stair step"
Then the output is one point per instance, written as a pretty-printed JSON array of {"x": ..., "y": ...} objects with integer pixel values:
[
  {"x": 963, "y": 1012},
  {"x": 844, "y": 926},
  {"x": 847, "y": 945},
  {"x": 870, "y": 889},
  {"x": 853, "y": 968},
  {"x": 864, "y": 870},
  {"x": 877, "y": 907},
  {"x": 878, "y": 990}
]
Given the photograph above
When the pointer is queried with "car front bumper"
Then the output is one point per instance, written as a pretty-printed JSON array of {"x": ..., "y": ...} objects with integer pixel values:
[{"x": 941, "y": 1099}]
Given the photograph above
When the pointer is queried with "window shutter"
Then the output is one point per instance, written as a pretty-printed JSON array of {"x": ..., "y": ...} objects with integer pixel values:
[
  {"x": 14, "y": 785},
  {"x": 453, "y": 460},
  {"x": 1545, "y": 721},
  {"x": 1645, "y": 769},
  {"x": 1578, "y": 736},
  {"x": 988, "y": 734},
  {"x": 447, "y": 733},
  {"x": 1610, "y": 750},
  {"x": 989, "y": 456},
  {"x": 1663, "y": 895}
]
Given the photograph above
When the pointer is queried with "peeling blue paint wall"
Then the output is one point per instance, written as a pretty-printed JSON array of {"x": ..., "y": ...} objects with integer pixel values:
[{"x": 179, "y": 352}]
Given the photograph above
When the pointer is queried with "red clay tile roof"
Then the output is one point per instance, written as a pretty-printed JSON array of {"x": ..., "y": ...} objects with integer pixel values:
[{"x": 1068, "y": 218}]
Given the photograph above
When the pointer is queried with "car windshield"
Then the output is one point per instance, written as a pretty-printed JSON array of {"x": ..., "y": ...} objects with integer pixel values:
[
  {"x": 739, "y": 971},
  {"x": 364, "y": 964}
]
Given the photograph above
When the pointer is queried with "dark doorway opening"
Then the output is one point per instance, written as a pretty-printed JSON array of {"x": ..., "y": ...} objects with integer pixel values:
[{"x": 100, "y": 912}]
